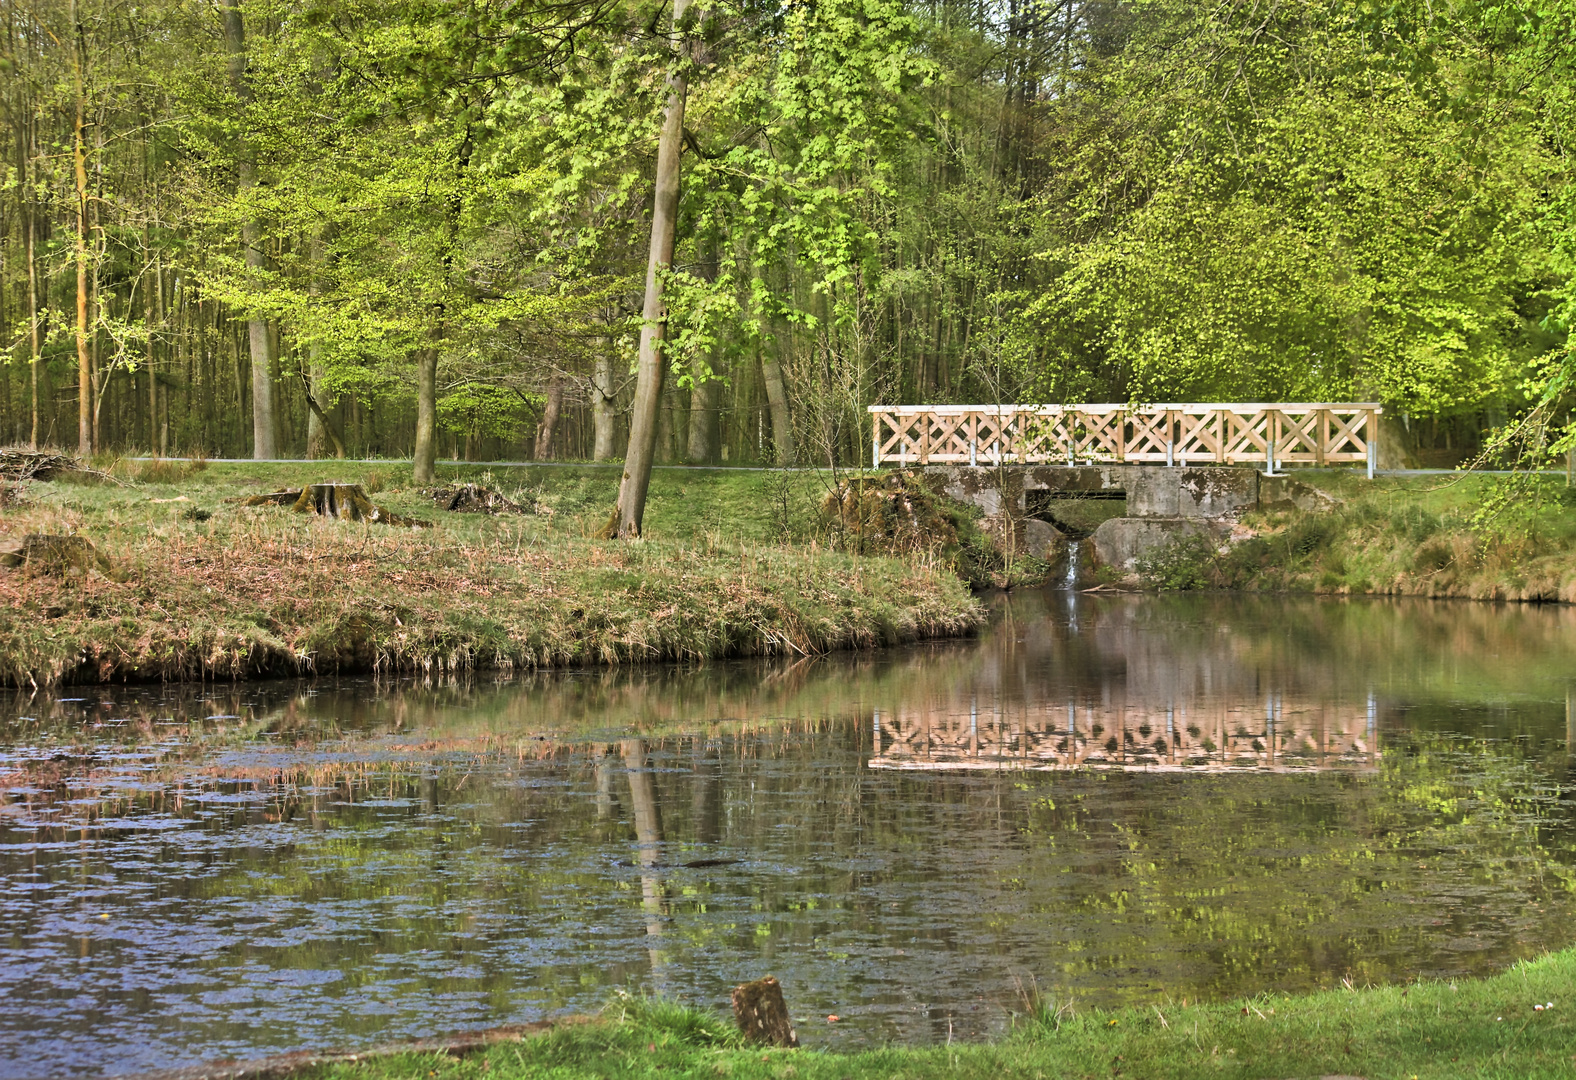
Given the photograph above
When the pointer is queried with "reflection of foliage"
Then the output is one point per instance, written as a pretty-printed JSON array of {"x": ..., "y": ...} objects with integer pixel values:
[
  {"x": 1285, "y": 880},
  {"x": 480, "y": 409},
  {"x": 435, "y": 818}
]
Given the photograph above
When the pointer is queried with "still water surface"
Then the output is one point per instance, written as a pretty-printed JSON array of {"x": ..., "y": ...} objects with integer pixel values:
[{"x": 1115, "y": 799}]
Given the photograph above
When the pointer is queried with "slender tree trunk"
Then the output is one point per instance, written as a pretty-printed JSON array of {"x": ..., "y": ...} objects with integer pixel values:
[
  {"x": 425, "y": 466},
  {"x": 319, "y": 424},
  {"x": 316, "y": 439},
  {"x": 649, "y": 368},
  {"x": 549, "y": 423},
  {"x": 603, "y": 415},
  {"x": 664, "y": 453},
  {"x": 251, "y": 244},
  {"x": 32, "y": 319},
  {"x": 100, "y": 379},
  {"x": 80, "y": 163},
  {"x": 703, "y": 421},
  {"x": 777, "y": 400},
  {"x": 705, "y": 391},
  {"x": 149, "y": 315},
  {"x": 258, "y": 340}
]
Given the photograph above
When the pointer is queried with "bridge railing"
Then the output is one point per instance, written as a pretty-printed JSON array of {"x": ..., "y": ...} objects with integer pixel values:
[
  {"x": 1221, "y": 732},
  {"x": 1272, "y": 434}
]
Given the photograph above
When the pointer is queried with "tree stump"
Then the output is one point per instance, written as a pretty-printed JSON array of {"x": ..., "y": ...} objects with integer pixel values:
[
  {"x": 273, "y": 498},
  {"x": 343, "y": 502},
  {"x": 347, "y": 502},
  {"x": 761, "y": 1013},
  {"x": 474, "y": 499},
  {"x": 47, "y": 554}
]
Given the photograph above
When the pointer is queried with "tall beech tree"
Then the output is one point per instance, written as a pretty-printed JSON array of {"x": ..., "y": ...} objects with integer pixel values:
[{"x": 651, "y": 364}]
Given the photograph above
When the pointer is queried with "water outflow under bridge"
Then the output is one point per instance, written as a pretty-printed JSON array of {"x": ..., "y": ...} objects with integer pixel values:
[{"x": 1162, "y": 504}]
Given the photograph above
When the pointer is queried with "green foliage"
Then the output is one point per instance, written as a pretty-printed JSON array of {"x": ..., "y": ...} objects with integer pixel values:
[
  {"x": 476, "y": 408},
  {"x": 1184, "y": 563},
  {"x": 1291, "y": 222}
]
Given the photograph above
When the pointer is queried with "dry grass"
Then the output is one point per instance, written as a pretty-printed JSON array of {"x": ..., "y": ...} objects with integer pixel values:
[{"x": 262, "y": 591}]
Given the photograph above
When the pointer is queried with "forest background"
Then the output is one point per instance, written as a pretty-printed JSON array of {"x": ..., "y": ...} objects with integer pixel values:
[{"x": 292, "y": 227}]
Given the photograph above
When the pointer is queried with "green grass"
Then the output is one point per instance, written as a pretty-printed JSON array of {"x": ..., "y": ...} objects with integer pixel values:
[
  {"x": 205, "y": 587},
  {"x": 1471, "y": 1028},
  {"x": 1399, "y": 536}
]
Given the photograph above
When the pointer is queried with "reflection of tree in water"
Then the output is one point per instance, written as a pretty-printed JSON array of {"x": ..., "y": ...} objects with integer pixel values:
[
  {"x": 648, "y": 848},
  {"x": 460, "y": 822}
]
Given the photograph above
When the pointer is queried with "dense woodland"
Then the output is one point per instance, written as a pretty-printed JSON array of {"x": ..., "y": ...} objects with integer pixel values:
[{"x": 275, "y": 227}]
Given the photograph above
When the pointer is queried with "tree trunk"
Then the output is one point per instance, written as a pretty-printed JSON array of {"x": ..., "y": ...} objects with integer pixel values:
[
  {"x": 664, "y": 453},
  {"x": 319, "y": 425},
  {"x": 251, "y": 245},
  {"x": 650, "y": 366},
  {"x": 80, "y": 162},
  {"x": 603, "y": 414},
  {"x": 549, "y": 425},
  {"x": 425, "y": 467},
  {"x": 705, "y": 390},
  {"x": 777, "y": 399},
  {"x": 150, "y": 310},
  {"x": 703, "y": 422},
  {"x": 32, "y": 319}
]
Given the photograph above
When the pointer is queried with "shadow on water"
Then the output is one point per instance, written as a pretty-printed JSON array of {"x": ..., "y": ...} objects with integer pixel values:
[{"x": 1121, "y": 797}]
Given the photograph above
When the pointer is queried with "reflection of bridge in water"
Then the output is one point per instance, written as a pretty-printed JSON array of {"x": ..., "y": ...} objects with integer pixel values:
[{"x": 1271, "y": 734}]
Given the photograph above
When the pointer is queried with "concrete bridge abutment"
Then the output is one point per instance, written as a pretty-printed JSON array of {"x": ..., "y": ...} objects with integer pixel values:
[{"x": 1164, "y": 503}]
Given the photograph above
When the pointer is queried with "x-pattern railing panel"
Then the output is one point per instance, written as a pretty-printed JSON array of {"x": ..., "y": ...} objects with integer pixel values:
[
  {"x": 1267, "y": 733},
  {"x": 1272, "y": 434}
]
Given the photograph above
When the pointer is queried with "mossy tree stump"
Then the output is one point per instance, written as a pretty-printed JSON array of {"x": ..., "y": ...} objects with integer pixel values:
[
  {"x": 347, "y": 502},
  {"x": 344, "y": 502},
  {"x": 762, "y": 1014},
  {"x": 56, "y": 555}
]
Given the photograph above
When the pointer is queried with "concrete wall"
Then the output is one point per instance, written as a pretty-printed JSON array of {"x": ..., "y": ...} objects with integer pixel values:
[
  {"x": 1151, "y": 490},
  {"x": 1163, "y": 504},
  {"x": 1156, "y": 491},
  {"x": 1121, "y": 542}
]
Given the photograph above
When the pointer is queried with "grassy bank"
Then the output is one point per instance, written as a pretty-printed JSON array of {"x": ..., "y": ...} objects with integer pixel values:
[
  {"x": 201, "y": 586},
  {"x": 1396, "y": 536},
  {"x": 1471, "y": 1028}
]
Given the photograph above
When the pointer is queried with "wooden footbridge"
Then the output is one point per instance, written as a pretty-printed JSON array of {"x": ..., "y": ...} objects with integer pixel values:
[
  {"x": 1269, "y": 434},
  {"x": 1272, "y": 734}
]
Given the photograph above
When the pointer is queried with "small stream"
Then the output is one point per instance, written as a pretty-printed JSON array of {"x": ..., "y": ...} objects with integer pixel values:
[{"x": 1114, "y": 798}]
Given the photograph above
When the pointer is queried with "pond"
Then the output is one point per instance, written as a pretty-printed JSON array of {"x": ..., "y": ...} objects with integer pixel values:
[{"x": 1102, "y": 800}]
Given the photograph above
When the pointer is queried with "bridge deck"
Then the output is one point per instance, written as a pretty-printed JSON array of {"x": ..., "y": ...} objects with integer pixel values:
[{"x": 1272, "y": 434}]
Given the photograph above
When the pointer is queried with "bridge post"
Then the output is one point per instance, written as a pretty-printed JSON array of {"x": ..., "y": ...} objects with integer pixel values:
[{"x": 1371, "y": 429}]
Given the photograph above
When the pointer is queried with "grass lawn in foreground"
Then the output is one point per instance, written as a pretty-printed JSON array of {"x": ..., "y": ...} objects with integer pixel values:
[{"x": 1471, "y": 1028}]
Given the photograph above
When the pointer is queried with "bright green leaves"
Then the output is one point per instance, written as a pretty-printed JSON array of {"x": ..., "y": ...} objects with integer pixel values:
[{"x": 1281, "y": 217}]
